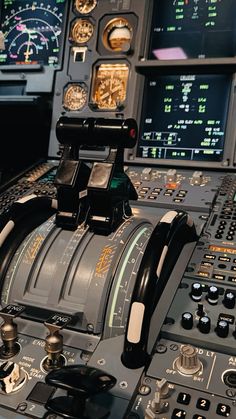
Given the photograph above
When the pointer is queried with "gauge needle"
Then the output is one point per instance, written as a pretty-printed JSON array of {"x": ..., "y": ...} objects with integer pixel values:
[
  {"x": 105, "y": 95},
  {"x": 27, "y": 52},
  {"x": 115, "y": 89}
]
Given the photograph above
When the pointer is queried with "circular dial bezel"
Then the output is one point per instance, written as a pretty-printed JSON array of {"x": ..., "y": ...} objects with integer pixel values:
[
  {"x": 85, "y": 6},
  {"x": 111, "y": 26},
  {"x": 70, "y": 100},
  {"x": 82, "y": 31}
]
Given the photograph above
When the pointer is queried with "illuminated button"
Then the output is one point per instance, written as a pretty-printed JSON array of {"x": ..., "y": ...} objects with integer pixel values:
[
  {"x": 209, "y": 264},
  {"x": 209, "y": 256},
  {"x": 203, "y": 404},
  {"x": 184, "y": 398},
  {"x": 204, "y": 274},
  {"x": 224, "y": 259},
  {"x": 178, "y": 200},
  {"x": 172, "y": 185},
  {"x": 168, "y": 194},
  {"x": 233, "y": 268},
  {"x": 152, "y": 197},
  {"x": 178, "y": 414},
  {"x": 157, "y": 190},
  {"x": 232, "y": 279},
  {"x": 219, "y": 277},
  {"x": 223, "y": 410}
]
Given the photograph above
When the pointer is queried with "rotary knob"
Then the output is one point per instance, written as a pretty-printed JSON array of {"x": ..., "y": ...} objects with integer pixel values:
[
  {"x": 187, "y": 320},
  {"x": 204, "y": 324},
  {"x": 222, "y": 329},
  {"x": 229, "y": 300},
  {"x": 187, "y": 362},
  {"x": 213, "y": 295},
  {"x": 196, "y": 292}
]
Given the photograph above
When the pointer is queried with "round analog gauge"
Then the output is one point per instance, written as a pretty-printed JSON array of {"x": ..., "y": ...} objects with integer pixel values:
[
  {"x": 110, "y": 93},
  {"x": 110, "y": 86},
  {"x": 85, "y": 6},
  {"x": 75, "y": 97},
  {"x": 82, "y": 31},
  {"x": 117, "y": 35}
]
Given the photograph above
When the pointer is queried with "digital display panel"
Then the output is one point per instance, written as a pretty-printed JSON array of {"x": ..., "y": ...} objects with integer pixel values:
[
  {"x": 184, "y": 29},
  {"x": 32, "y": 32},
  {"x": 184, "y": 117}
]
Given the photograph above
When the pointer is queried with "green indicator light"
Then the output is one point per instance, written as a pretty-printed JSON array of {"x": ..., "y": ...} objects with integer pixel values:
[{"x": 208, "y": 152}]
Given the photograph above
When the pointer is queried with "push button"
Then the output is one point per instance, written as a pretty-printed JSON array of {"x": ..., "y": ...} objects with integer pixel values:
[
  {"x": 199, "y": 417},
  {"x": 178, "y": 414},
  {"x": 184, "y": 398},
  {"x": 203, "y": 404},
  {"x": 223, "y": 410}
]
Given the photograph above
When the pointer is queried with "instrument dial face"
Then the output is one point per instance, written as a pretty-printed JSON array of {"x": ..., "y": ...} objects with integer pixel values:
[
  {"x": 85, "y": 6},
  {"x": 117, "y": 35},
  {"x": 82, "y": 31},
  {"x": 32, "y": 31},
  {"x": 75, "y": 97},
  {"x": 110, "y": 86}
]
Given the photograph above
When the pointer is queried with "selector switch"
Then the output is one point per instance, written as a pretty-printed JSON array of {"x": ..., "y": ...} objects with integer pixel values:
[
  {"x": 196, "y": 292},
  {"x": 204, "y": 324},
  {"x": 12, "y": 377},
  {"x": 213, "y": 295},
  {"x": 187, "y": 362}
]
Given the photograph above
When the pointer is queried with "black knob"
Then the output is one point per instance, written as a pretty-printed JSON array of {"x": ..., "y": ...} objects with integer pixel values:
[
  {"x": 229, "y": 300},
  {"x": 81, "y": 383},
  {"x": 196, "y": 292},
  {"x": 213, "y": 295},
  {"x": 187, "y": 320},
  {"x": 204, "y": 324},
  {"x": 222, "y": 329}
]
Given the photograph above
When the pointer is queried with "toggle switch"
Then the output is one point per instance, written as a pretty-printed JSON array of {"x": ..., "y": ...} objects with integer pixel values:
[
  {"x": 10, "y": 345},
  {"x": 54, "y": 341}
]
